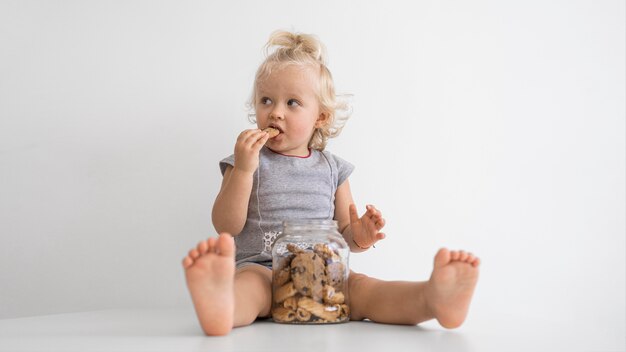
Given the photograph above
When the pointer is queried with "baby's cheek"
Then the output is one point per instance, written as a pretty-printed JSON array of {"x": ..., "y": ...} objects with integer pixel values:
[{"x": 303, "y": 131}]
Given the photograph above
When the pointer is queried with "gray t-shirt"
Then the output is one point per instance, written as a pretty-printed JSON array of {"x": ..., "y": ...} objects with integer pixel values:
[{"x": 286, "y": 188}]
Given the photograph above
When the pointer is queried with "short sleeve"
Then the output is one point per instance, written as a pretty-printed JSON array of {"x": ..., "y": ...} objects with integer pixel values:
[
  {"x": 344, "y": 169},
  {"x": 228, "y": 161}
]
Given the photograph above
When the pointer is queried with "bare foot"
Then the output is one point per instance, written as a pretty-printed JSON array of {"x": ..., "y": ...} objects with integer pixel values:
[
  {"x": 451, "y": 285},
  {"x": 210, "y": 272}
]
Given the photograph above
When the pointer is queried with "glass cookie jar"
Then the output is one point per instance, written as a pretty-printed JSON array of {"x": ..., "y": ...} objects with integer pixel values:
[{"x": 310, "y": 274}]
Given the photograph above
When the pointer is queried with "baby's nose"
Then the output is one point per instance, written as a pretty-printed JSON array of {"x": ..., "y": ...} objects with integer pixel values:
[{"x": 277, "y": 114}]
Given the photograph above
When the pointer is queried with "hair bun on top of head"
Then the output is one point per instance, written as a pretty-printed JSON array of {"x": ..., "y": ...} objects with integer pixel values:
[{"x": 294, "y": 45}]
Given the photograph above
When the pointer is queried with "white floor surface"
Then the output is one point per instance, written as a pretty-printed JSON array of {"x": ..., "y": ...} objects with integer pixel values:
[{"x": 177, "y": 330}]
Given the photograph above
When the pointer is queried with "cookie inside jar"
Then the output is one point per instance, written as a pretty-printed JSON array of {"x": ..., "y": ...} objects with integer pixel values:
[{"x": 310, "y": 280}]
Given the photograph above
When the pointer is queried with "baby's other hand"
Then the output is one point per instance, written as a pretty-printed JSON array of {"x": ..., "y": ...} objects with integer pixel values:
[
  {"x": 247, "y": 148},
  {"x": 366, "y": 229}
]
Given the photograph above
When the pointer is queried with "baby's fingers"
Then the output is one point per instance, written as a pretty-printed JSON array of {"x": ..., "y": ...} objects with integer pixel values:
[
  {"x": 375, "y": 216},
  {"x": 354, "y": 216},
  {"x": 380, "y": 223},
  {"x": 255, "y": 136},
  {"x": 243, "y": 136},
  {"x": 261, "y": 141},
  {"x": 372, "y": 211}
]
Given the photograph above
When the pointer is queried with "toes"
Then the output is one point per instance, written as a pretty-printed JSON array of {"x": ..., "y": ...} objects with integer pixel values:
[
  {"x": 225, "y": 245},
  {"x": 462, "y": 256},
  {"x": 442, "y": 257},
  {"x": 454, "y": 255},
  {"x": 203, "y": 247},
  {"x": 445, "y": 256},
  {"x": 465, "y": 257},
  {"x": 211, "y": 242},
  {"x": 187, "y": 262}
]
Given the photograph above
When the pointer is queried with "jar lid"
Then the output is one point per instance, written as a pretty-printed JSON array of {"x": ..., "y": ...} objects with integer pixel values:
[{"x": 291, "y": 225}]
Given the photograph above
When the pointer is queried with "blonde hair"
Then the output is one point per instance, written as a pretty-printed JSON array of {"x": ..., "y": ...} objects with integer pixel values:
[{"x": 305, "y": 50}]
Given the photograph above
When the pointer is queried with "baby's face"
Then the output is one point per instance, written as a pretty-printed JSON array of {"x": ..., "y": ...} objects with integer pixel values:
[{"x": 287, "y": 100}]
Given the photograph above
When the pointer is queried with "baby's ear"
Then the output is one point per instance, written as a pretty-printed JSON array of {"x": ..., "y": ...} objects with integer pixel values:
[{"x": 322, "y": 120}]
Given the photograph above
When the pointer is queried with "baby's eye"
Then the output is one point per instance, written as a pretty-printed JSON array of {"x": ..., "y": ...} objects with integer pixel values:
[
  {"x": 293, "y": 102},
  {"x": 266, "y": 101}
]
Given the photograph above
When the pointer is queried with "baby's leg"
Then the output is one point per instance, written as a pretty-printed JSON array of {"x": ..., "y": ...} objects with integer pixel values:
[
  {"x": 253, "y": 294},
  {"x": 223, "y": 298},
  {"x": 445, "y": 297},
  {"x": 389, "y": 302}
]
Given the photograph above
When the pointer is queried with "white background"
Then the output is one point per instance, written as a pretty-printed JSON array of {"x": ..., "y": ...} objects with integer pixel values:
[{"x": 493, "y": 126}]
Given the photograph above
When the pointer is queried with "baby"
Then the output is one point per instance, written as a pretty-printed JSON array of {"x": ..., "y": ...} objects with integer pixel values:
[{"x": 281, "y": 171}]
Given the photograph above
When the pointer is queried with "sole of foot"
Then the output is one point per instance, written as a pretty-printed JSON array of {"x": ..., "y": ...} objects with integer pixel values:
[
  {"x": 209, "y": 271},
  {"x": 451, "y": 286}
]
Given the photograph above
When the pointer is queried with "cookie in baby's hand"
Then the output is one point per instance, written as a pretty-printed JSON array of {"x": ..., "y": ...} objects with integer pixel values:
[{"x": 272, "y": 132}]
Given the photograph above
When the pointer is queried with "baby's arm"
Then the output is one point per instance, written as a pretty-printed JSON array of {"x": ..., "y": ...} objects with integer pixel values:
[
  {"x": 360, "y": 233},
  {"x": 231, "y": 205}
]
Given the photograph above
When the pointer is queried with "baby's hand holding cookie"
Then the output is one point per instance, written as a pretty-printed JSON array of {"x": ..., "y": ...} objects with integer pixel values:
[{"x": 247, "y": 148}]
